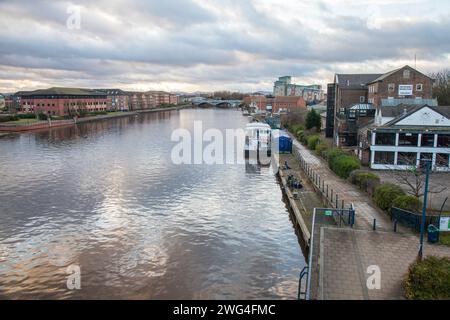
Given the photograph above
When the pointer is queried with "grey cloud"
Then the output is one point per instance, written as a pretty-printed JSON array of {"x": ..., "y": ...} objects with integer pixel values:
[{"x": 193, "y": 41}]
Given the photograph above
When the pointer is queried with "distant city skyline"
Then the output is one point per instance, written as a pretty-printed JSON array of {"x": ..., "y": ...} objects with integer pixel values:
[{"x": 192, "y": 45}]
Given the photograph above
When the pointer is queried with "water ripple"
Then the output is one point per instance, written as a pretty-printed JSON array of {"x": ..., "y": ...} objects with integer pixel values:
[{"x": 106, "y": 197}]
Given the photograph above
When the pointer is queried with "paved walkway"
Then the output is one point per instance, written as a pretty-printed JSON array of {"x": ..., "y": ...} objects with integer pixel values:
[
  {"x": 345, "y": 256},
  {"x": 366, "y": 212},
  {"x": 341, "y": 256}
]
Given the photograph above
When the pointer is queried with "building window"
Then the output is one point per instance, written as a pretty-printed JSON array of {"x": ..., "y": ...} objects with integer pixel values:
[
  {"x": 383, "y": 157},
  {"x": 391, "y": 87},
  {"x": 407, "y": 158},
  {"x": 362, "y": 99},
  {"x": 443, "y": 141},
  {"x": 419, "y": 87},
  {"x": 442, "y": 160},
  {"x": 427, "y": 140},
  {"x": 424, "y": 158},
  {"x": 385, "y": 139},
  {"x": 408, "y": 139},
  {"x": 406, "y": 74}
]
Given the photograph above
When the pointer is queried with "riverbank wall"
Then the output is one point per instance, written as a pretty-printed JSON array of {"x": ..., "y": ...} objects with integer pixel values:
[{"x": 305, "y": 232}]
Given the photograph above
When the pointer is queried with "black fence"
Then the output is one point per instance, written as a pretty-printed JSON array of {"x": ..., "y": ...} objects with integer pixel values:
[{"x": 412, "y": 219}]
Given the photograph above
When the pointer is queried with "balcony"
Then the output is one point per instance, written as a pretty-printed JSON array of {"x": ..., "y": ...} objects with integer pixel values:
[{"x": 419, "y": 102}]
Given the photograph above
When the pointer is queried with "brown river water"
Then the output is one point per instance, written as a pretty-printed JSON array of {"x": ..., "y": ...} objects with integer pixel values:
[{"x": 105, "y": 196}]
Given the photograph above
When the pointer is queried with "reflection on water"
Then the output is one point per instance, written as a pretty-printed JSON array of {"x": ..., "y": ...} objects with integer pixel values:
[{"x": 105, "y": 196}]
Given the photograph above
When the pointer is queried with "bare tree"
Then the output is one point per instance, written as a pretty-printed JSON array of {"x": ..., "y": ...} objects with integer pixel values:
[
  {"x": 413, "y": 176},
  {"x": 441, "y": 88}
]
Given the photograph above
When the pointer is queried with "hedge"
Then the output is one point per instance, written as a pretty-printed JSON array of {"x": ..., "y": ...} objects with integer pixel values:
[
  {"x": 428, "y": 279},
  {"x": 26, "y": 116},
  {"x": 302, "y": 137},
  {"x": 385, "y": 194},
  {"x": 333, "y": 154},
  {"x": 344, "y": 165},
  {"x": 313, "y": 141},
  {"x": 321, "y": 149},
  {"x": 365, "y": 180},
  {"x": 8, "y": 118},
  {"x": 407, "y": 202},
  {"x": 296, "y": 128}
]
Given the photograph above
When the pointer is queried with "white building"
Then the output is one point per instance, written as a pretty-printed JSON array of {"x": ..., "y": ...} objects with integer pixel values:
[
  {"x": 284, "y": 87},
  {"x": 404, "y": 140}
]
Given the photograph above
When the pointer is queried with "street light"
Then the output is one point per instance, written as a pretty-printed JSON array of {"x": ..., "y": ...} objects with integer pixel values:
[{"x": 424, "y": 209}]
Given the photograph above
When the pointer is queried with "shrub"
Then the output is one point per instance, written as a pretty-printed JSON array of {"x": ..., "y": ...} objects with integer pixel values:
[
  {"x": 297, "y": 127},
  {"x": 428, "y": 279},
  {"x": 333, "y": 154},
  {"x": 343, "y": 165},
  {"x": 385, "y": 195},
  {"x": 97, "y": 113},
  {"x": 8, "y": 118},
  {"x": 313, "y": 120},
  {"x": 407, "y": 202},
  {"x": 365, "y": 180},
  {"x": 313, "y": 141},
  {"x": 302, "y": 137},
  {"x": 321, "y": 149},
  {"x": 26, "y": 116}
]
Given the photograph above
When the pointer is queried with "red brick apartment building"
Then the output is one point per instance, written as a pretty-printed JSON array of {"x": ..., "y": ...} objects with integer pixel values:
[
  {"x": 150, "y": 99},
  {"x": 403, "y": 83},
  {"x": 288, "y": 103},
  {"x": 354, "y": 98},
  {"x": 118, "y": 100},
  {"x": 61, "y": 101}
]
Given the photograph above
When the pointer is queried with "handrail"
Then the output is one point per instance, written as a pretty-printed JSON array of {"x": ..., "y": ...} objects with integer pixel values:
[
  {"x": 311, "y": 248},
  {"x": 303, "y": 273}
]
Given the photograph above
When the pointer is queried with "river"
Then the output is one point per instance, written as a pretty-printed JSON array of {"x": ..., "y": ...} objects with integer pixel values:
[{"x": 105, "y": 197}]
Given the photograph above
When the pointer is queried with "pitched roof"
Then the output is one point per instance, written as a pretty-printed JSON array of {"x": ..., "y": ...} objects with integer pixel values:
[
  {"x": 404, "y": 111},
  {"x": 355, "y": 81},
  {"x": 388, "y": 74},
  {"x": 61, "y": 91},
  {"x": 398, "y": 110}
]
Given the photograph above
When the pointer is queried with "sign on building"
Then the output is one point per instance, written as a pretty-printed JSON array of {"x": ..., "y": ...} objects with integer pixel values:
[
  {"x": 405, "y": 90},
  {"x": 444, "y": 224}
]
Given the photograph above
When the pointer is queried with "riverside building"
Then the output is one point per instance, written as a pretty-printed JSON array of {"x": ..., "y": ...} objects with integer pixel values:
[
  {"x": 60, "y": 101},
  {"x": 353, "y": 97}
]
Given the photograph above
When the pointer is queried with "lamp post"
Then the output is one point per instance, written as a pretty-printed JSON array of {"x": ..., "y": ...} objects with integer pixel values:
[{"x": 424, "y": 209}]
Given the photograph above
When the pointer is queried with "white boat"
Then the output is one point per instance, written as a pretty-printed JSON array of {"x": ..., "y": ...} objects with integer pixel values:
[{"x": 258, "y": 139}]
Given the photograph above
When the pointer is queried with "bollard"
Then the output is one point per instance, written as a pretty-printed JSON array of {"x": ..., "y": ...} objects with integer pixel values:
[
  {"x": 395, "y": 225},
  {"x": 342, "y": 204},
  {"x": 327, "y": 191},
  {"x": 337, "y": 201},
  {"x": 374, "y": 224},
  {"x": 331, "y": 195}
]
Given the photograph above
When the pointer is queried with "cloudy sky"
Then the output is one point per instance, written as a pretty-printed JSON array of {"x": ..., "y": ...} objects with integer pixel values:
[{"x": 190, "y": 45}]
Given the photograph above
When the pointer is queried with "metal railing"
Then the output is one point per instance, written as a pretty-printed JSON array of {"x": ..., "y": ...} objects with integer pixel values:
[{"x": 302, "y": 293}]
